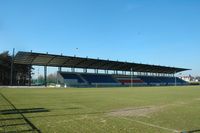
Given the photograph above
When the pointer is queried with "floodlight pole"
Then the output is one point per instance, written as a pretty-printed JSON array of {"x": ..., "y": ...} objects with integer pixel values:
[{"x": 131, "y": 77}]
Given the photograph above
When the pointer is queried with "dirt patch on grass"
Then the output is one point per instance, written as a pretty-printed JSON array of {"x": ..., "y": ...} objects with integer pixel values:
[
  {"x": 197, "y": 99},
  {"x": 142, "y": 111},
  {"x": 146, "y": 111}
]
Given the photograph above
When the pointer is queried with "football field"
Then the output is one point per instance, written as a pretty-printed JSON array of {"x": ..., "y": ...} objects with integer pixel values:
[{"x": 100, "y": 110}]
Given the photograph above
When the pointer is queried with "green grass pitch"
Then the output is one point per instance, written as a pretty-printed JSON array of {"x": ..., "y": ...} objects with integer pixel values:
[{"x": 103, "y": 110}]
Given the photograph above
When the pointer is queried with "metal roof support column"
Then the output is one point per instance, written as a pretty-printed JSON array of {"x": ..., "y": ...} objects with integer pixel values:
[
  {"x": 85, "y": 70},
  {"x": 96, "y": 71},
  {"x": 29, "y": 75},
  {"x": 59, "y": 69},
  {"x": 123, "y": 72},
  {"x": 72, "y": 69},
  {"x": 175, "y": 78},
  {"x": 106, "y": 71},
  {"x": 12, "y": 67},
  {"x": 45, "y": 76},
  {"x": 131, "y": 77}
]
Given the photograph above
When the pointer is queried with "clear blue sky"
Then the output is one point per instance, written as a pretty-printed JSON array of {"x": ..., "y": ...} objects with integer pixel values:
[{"x": 165, "y": 32}]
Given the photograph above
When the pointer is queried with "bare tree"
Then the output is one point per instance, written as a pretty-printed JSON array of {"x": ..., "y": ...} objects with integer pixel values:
[{"x": 52, "y": 78}]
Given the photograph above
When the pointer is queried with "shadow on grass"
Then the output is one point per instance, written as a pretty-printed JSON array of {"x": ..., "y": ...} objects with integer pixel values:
[
  {"x": 29, "y": 110},
  {"x": 10, "y": 119},
  {"x": 70, "y": 114},
  {"x": 192, "y": 131},
  {"x": 19, "y": 122}
]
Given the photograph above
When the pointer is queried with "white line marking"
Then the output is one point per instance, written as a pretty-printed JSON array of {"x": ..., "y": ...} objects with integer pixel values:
[
  {"x": 143, "y": 123},
  {"x": 152, "y": 125}
]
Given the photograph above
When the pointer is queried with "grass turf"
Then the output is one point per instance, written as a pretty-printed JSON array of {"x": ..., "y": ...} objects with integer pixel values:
[{"x": 88, "y": 110}]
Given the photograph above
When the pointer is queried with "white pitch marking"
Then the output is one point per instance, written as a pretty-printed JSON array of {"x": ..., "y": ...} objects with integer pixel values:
[{"x": 152, "y": 125}]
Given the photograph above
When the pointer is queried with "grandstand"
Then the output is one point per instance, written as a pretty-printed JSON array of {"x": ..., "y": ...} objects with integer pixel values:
[
  {"x": 115, "y": 73},
  {"x": 91, "y": 79}
]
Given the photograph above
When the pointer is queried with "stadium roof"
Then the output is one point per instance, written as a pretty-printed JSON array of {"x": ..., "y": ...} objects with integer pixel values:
[{"x": 41, "y": 59}]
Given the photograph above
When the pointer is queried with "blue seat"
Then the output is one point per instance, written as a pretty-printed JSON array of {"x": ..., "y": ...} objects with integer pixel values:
[
  {"x": 164, "y": 80},
  {"x": 98, "y": 78},
  {"x": 150, "y": 79},
  {"x": 71, "y": 76}
]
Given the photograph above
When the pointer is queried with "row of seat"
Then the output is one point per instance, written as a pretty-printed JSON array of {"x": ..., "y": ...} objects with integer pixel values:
[
  {"x": 71, "y": 76},
  {"x": 162, "y": 80},
  {"x": 116, "y": 79},
  {"x": 88, "y": 78},
  {"x": 94, "y": 78}
]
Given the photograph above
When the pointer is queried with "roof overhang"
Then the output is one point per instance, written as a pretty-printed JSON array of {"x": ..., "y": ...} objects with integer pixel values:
[{"x": 41, "y": 59}]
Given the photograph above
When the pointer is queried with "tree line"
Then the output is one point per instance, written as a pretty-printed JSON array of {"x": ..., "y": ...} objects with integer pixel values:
[{"x": 51, "y": 79}]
